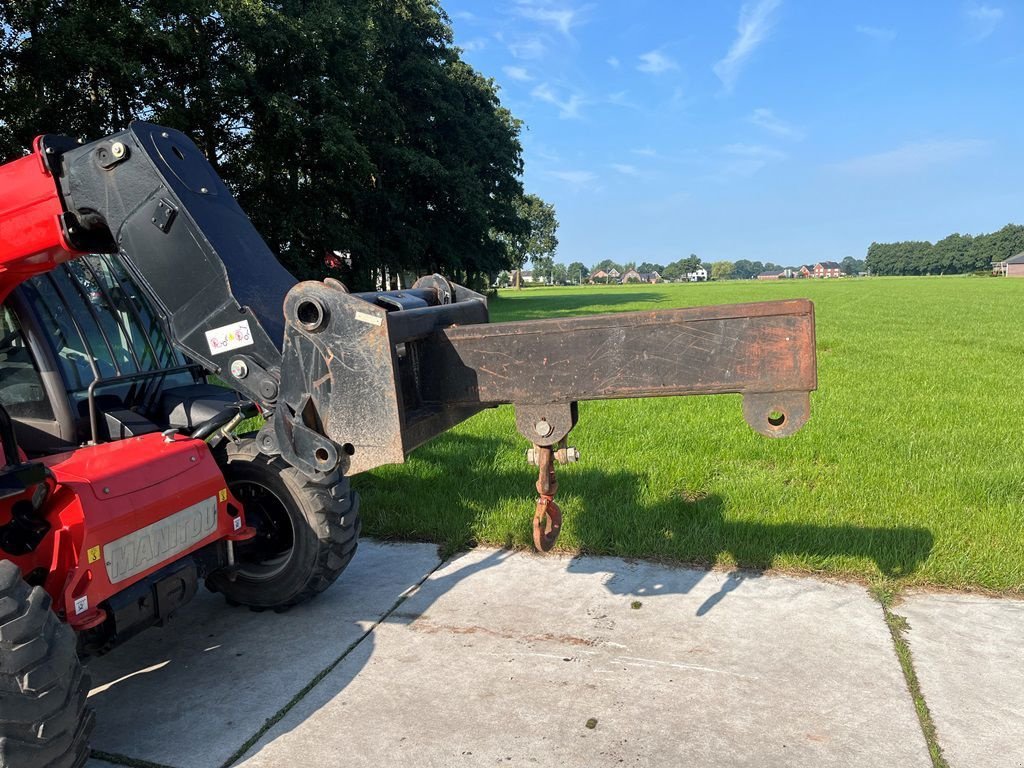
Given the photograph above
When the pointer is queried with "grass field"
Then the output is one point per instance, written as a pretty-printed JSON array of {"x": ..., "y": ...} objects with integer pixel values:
[{"x": 910, "y": 471}]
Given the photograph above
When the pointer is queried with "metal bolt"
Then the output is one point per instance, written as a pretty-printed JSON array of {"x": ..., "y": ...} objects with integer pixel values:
[
  {"x": 572, "y": 455},
  {"x": 165, "y": 134},
  {"x": 106, "y": 490},
  {"x": 542, "y": 428},
  {"x": 117, "y": 150},
  {"x": 239, "y": 369},
  {"x": 192, "y": 458},
  {"x": 203, "y": 190}
]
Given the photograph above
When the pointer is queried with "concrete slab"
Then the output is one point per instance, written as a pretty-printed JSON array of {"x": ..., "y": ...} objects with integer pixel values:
[
  {"x": 969, "y": 656},
  {"x": 191, "y": 694},
  {"x": 503, "y": 658}
]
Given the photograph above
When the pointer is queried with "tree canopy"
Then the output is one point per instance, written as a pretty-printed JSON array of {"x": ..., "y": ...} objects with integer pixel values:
[
  {"x": 953, "y": 254},
  {"x": 341, "y": 125}
]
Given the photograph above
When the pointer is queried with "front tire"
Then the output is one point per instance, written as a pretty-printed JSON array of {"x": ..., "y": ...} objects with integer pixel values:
[
  {"x": 306, "y": 532},
  {"x": 44, "y": 722}
]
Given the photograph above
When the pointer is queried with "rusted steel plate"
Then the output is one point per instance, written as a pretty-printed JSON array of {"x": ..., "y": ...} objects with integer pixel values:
[{"x": 744, "y": 348}]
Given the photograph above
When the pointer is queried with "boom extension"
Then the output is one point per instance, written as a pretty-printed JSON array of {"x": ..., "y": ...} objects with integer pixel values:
[{"x": 349, "y": 382}]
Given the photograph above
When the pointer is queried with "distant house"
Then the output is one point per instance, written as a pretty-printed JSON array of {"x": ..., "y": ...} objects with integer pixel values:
[
  {"x": 769, "y": 276},
  {"x": 526, "y": 276},
  {"x": 827, "y": 269},
  {"x": 806, "y": 271},
  {"x": 603, "y": 276},
  {"x": 1012, "y": 267},
  {"x": 632, "y": 276},
  {"x": 699, "y": 275}
]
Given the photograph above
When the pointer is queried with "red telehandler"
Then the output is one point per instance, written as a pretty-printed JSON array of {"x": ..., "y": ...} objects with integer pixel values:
[{"x": 128, "y": 274}]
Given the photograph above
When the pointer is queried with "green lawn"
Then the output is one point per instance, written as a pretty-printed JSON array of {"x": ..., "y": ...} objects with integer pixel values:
[{"x": 911, "y": 468}]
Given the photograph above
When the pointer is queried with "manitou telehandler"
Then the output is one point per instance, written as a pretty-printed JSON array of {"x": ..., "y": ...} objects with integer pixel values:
[{"x": 128, "y": 273}]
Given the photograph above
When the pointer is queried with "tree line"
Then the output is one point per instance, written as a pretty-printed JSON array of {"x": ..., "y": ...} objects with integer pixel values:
[
  {"x": 544, "y": 266},
  {"x": 342, "y": 126},
  {"x": 955, "y": 254}
]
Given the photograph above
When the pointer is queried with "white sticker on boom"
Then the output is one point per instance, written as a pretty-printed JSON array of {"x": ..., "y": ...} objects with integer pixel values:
[
  {"x": 229, "y": 337},
  {"x": 371, "y": 319},
  {"x": 81, "y": 604}
]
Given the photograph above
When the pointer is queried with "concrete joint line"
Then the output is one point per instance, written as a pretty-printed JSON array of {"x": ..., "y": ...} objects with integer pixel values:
[
  {"x": 273, "y": 720},
  {"x": 897, "y": 627}
]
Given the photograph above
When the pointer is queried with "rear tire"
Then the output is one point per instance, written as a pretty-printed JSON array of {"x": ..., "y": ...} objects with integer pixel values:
[
  {"x": 306, "y": 532},
  {"x": 44, "y": 722}
]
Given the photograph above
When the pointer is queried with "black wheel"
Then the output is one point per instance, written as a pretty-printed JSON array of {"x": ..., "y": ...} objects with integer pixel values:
[
  {"x": 306, "y": 533},
  {"x": 44, "y": 722}
]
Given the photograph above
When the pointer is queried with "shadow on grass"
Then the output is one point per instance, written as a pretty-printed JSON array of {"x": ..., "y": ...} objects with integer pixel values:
[
  {"x": 453, "y": 498},
  {"x": 530, "y": 306}
]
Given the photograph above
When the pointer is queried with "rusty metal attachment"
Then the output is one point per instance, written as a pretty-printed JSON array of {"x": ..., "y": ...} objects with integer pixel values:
[
  {"x": 377, "y": 374},
  {"x": 547, "y": 520}
]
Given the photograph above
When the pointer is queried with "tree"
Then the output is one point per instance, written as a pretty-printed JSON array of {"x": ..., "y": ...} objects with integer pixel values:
[
  {"x": 851, "y": 266},
  {"x": 691, "y": 263},
  {"x": 649, "y": 267},
  {"x": 673, "y": 271},
  {"x": 536, "y": 240},
  {"x": 348, "y": 125},
  {"x": 577, "y": 272},
  {"x": 559, "y": 274},
  {"x": 744, "y": 269},
  {"x": 722, "y": 270}
]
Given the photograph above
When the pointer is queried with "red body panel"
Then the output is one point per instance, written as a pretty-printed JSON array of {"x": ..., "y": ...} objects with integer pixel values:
[
  {"x": 105, "y": 492},
  {"x": 31, "y": 238}
]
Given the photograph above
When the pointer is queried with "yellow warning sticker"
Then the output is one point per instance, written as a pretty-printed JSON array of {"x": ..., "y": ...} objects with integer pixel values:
[
  {"x": 222, "y": 495},
  {"x": 94, "y": 554}
]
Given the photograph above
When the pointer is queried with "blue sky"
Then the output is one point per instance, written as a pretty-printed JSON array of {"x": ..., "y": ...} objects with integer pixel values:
[{"x": 788, "y": 131}]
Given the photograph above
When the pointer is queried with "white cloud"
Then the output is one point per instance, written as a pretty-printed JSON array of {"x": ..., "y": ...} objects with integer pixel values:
[
  {"x": 621, "y": 99},
  {"x": 656, "y": 62},
  {"x": 765, "y": 118},
  {"x": 527, "y": 47},
  {"x": 517, "y": 73},
  {"x": 576, "y": 178},
  {"x": 562, "y": 19},
  {"x": 982, "y": 20},
  {"x": 645, "y": 151},
  {"x": 567, "y": 108},
  {"x": 476, "y": 44},
  {"x": 625, "y": 169},
  {"x": 881, "y": 34},
  {"x": 754, "y": 27},
  {"x": 613, "y": 62},
  {"x": 913, "y": 157}
]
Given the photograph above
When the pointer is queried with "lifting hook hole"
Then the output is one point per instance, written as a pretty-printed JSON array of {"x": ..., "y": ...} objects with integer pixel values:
[
  {"x": 177, "y": 152},
  {"x": 349, "y": 449},
  {"x": 776, "y": 418},
  {"x": 322, "y": 455}
]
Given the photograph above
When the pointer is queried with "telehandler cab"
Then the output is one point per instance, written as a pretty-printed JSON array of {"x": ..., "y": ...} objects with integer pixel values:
[{"x": 128, "y": 274}]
